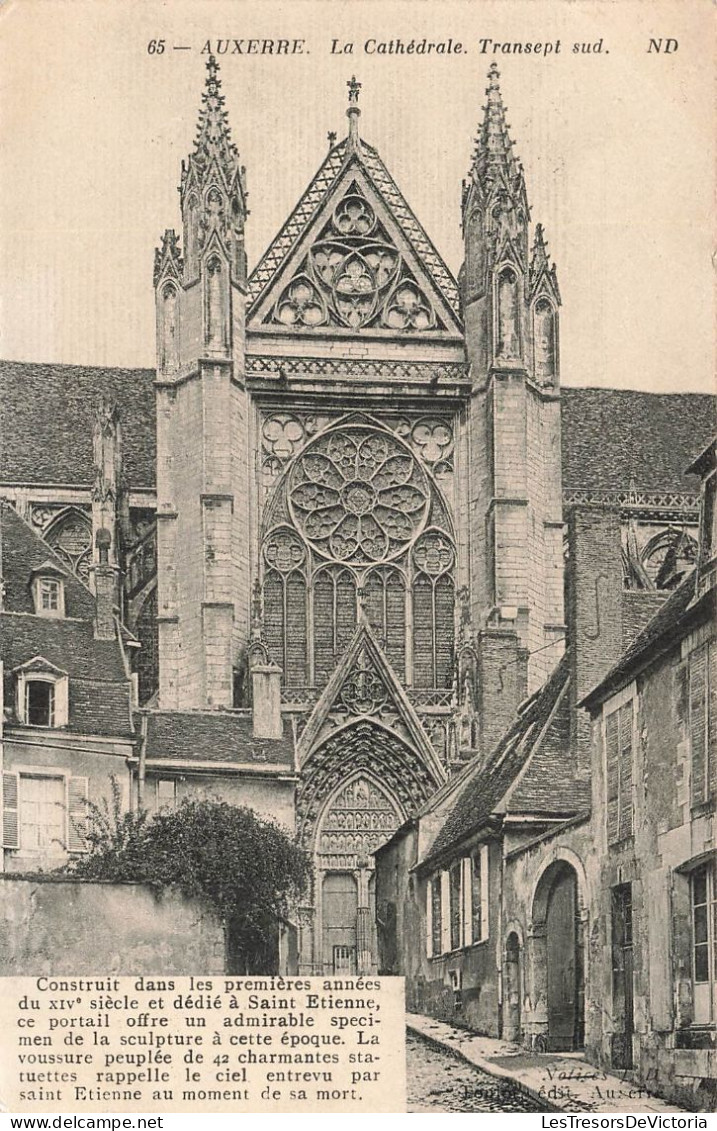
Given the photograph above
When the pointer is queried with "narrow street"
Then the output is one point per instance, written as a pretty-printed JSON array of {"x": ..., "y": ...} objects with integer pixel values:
[{"x": 438, "y": 1081}]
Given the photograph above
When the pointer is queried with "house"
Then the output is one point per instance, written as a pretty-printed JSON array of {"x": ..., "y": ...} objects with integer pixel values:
[{"x": 68, "y": 699}]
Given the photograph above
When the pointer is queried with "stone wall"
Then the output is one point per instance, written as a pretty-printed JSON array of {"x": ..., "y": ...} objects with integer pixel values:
[{"x": 55, "y": 926}]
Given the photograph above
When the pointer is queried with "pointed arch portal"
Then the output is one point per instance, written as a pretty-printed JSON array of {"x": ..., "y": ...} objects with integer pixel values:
[{"x": 358, "y": 787}]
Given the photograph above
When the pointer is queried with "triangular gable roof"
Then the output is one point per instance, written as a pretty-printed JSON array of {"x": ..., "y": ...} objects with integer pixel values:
[
  {"x": 364, "y": 654},
  {"x": 39, "y": 664},
  {"x": 284, "y": 255}
]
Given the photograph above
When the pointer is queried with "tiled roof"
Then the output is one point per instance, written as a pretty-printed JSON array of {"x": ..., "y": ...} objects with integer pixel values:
[
  {"x": 24, "y": 551},
  {"x": 676, "y": 617},
  {"x": 525, "y": 773},
  {"x": 99, "y": 701},
  {"x": 213, "y": 736},
  {"x": 615, "y": 437},
  {"x": 611, "y": 437},
  {"x": 46, "y": 418}
]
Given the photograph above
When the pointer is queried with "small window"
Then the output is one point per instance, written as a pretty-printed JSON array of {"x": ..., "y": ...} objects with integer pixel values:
[
  {"x": 39, "y": 703},
  {"x": 618, "y": 758},
  {"x": 49, "y": 596}
]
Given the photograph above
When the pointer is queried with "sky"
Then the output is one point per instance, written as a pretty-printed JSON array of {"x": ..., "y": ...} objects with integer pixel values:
[{"x": 617, "y": 144}]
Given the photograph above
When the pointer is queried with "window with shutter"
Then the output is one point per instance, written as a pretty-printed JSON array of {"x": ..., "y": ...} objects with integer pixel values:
[
  {"x": 455, "y": 904},
  {"x": 618, "y": 773},
  {"x": 42, "y": 813},
  {"x": 698, "y": 708},
  {"x": 436, "y": 914},
  {"x": 10, "y": 818}
]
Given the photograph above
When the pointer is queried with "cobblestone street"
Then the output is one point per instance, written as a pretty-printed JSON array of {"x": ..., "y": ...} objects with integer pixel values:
[{"x": 438, "y": 1081}]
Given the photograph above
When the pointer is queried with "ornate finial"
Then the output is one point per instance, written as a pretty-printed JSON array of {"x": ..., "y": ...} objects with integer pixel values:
[
  {"x": 494, "y": 155},
  {"x": 353, "y": 113},
  {"x": 331, "y": 136},
  {"x": 539, "y": 260}
]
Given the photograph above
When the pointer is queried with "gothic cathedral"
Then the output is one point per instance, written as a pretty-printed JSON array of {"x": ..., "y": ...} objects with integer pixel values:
[{"x": 358, "y": 484}]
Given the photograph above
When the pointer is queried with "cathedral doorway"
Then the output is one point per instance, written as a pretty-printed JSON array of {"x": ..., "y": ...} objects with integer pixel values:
[{"x": 358, "y": 817}]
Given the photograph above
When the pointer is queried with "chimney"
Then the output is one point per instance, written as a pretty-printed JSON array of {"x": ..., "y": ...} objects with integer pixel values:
[
  {"x": 594, "y": 610},
  {"x": 266, "y": 700},
  {"x": 502, "y": 683},
  {"x": 106, "y": 582}
]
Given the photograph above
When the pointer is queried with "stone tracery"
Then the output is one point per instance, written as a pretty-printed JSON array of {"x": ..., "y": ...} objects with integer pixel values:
[{"x": 354, "y": 276}]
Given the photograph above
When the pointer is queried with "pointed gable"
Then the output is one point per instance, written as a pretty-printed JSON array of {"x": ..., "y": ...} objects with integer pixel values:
[
  {"x": 365, "y": 686},
  {"x": 352, "y": 257}
]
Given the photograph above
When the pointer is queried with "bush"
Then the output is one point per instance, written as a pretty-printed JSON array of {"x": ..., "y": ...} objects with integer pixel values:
[{"x": 246, "y": 868}]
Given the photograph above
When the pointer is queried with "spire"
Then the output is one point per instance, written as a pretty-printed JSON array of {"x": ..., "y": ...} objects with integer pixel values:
[
  {"x": 353, "y": 113},
  {"x": 493, "y": 152},
  {"x": 539, "y": 259},
  {"x": 213, "y": 144}
]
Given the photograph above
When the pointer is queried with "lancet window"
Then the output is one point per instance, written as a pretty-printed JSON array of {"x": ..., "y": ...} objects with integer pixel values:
[{"x": 356, "y": 528}]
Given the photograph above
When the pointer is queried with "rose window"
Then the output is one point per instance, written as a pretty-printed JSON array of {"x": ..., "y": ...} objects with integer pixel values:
[{"x": 358, "y": 496}]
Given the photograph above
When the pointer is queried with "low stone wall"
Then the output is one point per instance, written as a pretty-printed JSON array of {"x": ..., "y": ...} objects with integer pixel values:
[{"x": 57, "y": 925}]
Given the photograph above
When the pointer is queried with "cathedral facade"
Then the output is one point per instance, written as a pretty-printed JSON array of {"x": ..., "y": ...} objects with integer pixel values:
[{"x": 352, "y": 541}]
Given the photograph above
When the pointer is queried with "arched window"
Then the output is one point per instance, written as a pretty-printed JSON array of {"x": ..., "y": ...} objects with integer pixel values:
[
  {"x": 285, "y": 605},
  {"x": 508, "y": 317},
  {"x": 70, "y": 536},
  {"x": 170, "y": 329},
  {"x": 215, "y": 315},
  {"x": 433, "y": 611},
  {"x": 384, "y": 604},
  {"x": 334, "y": 618},
  {"x": 544, "y": 331},
  {"x": 191, "y": 237}
]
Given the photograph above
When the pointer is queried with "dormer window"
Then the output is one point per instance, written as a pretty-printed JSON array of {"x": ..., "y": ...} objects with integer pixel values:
[
  {"x": 39, "y": 702},
  {"x": 48, "y": 592},
  {"x": 42, "y": 694}
]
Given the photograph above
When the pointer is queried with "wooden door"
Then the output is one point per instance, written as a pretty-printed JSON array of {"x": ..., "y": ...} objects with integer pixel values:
[
  {"x": 339, "y": 913},
  {"x": 623, "y": 1010},
  {"x": 561, "y": 942}
]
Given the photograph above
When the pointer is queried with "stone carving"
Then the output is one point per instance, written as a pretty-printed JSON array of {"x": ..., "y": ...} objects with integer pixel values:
[
  {"x": 433, "y": 554},
  {"x": 354, "y": 276},
  {"x": 358, "y": 495},
  {"x": 71, "y": 538}
]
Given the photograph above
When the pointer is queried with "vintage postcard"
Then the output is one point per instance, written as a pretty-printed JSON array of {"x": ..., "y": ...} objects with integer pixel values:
[{"x": 358, "y": 556}]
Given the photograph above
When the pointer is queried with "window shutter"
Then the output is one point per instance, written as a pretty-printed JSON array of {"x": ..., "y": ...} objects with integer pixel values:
[
  {"x": 626, "y": 804},
  {"x": 467, "y": 902},
  {"x": 698, "y": 725},
  {"x": 10, "y": 814},
  {"x": 445, "y": 913},
  {"x": 62, "y": 702},
  {"x": 429, "y": 918},
  {"x": 612, "y": 746},
  {"x": 484, "y": 891},
  {"x": 77, "y": 815}
]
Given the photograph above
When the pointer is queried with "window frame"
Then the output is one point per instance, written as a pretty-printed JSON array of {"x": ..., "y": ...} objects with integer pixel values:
[
  {"x": 704, "y": 991},
  {"x": 39, "y": 581},
  {"x": 450, "y": 921},
  {"x": 619, "y": 705},
  {"x": 59, "y": 714},
  {"x": 75, "y": 790},
  {"x": 701, "y": 794}
]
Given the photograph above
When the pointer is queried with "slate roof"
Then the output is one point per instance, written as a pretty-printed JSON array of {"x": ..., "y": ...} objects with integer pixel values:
[
  {"x": 529, "y": 771},
  {"x": 24, "y": 551},
  {"x": 677, "y": 616},
  {"x": 46, "y": 418},
  {"x": 214, "y": 736},
  {"x": 610, "y": 436},
  {"x": 614, "y": 436},
  {"x": 99, "y": 696}
]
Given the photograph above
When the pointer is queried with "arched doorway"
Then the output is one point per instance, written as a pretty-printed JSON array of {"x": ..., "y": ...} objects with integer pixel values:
[
  {"x": 359, "y": 817},
  {"x": 513, "y": 988},
  {"x": 558, "y": 958}
]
